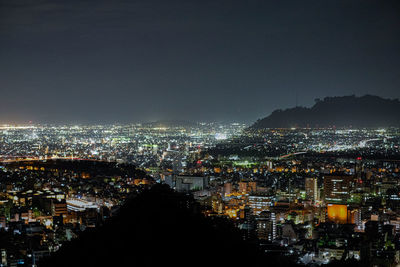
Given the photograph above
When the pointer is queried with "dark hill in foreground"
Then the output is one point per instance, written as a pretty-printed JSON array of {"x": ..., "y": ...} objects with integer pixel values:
[
  {"x": 347, "y": 111},
  {"x": 159, "y": 228}
]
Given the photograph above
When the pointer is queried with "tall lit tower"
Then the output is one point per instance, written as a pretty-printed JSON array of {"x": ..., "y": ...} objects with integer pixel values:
[{"x": 311, "y": 188}]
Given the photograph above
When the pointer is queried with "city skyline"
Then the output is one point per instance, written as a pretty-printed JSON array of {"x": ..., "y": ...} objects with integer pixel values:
[
  {"x": 199, "y": 133},
  {"x": 304, "y": 196}
]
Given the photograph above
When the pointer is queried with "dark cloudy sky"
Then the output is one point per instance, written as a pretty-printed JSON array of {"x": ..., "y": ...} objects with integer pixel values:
[{"x": 128, "y": 61}]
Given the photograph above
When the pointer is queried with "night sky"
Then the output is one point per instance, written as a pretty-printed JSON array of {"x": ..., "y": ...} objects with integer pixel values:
[{"x": 129, "y": 61}]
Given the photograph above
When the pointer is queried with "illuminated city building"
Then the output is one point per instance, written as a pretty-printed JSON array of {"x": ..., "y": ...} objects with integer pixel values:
[
  {"x": 3, "y": 254},
  {"x": 252, "y": 186},
  {"x": 337, "y": 188},
  {"x": 227, "y": 188},
  {"x": 74, "y": 204},
  {"x": 217, "y": 204},
  {"x": 243, "y": 187},
  {"x": 3, "y": 222},
  {"x": 266, "y": 226},
  {"x": 338, "y": 213},
  {"x": 259, "y": 203},
  {"x": 311, "y": 189},
  {"x": 189, "y": 183},
  {"x": 59, "y": 208},
  {"x": 357, "y": 219}
]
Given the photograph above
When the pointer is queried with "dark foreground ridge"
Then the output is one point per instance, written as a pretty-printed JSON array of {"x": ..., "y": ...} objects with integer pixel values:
[
  {"x": 160, "y": 226},
  {"x": 347, "y": 111}
]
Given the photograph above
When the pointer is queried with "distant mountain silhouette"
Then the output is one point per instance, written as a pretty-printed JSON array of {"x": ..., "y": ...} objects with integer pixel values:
[{"x": 347, "y": 111}]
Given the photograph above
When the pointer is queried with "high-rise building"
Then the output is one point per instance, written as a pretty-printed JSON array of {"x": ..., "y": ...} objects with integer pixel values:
[
  {"x": 3, "y": 254},
  {"x": 357, "y": 219},
  {"x": 59, "y": 208},
  {"x": 190, "y": 183},
  {"x": 337, "y": 188},
  {"x": 169, "y": 180},
  {"x": 311, "y": 189},
  {"x": 227, "y": 188},
  {"x": 252, "y": 187},
  {"x": 266, "y": 226},
  {"x": 260, "y": 203},
  {"x": 217, "y": 204},
  {"x": 242, "y": 187},
  {"x": 248, "y": 226},
  {"x": 338, "y": 213},
  {"x": 3, "y": 222}
]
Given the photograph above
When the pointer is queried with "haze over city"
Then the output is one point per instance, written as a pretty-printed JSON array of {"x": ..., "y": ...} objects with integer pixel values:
[{"x": 130, "y": 61}]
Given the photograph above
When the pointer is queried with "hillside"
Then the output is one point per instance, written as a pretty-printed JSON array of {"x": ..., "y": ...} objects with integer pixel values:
[
  {"x": 159, "y": 228},
  {"x": 347, "y": 111}
]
